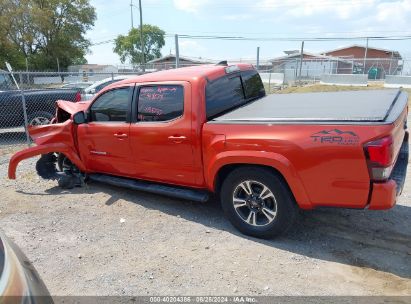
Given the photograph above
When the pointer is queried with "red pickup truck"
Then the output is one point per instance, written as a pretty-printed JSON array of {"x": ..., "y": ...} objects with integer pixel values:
[{"x": 195, "y": 131}]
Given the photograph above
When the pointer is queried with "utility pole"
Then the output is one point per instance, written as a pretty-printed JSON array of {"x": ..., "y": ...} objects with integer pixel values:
[
  {"x": 58, "y": 65},
  {"x": 389, "y": 69},
  {"x": 131, "y": 10},
  {"x": 143, "y": 63},
  {"x": 258, "y": 57},
  {"x": 301, "y": 60},
  {"x": 365, "y": 56},
  {"x": 177, "y": 52}
]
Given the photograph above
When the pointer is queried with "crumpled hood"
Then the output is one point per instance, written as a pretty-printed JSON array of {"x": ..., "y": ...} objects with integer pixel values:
[
  {"x": 58, "y": 132},
  {"x": 53, "y": 133},
  {"x": 73, "y": 107}
]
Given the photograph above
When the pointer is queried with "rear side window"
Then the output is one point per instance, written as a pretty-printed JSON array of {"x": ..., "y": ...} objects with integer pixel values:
[
  {"x": 111, "y": 106},
  {"x": 231, "y": 91},
  {"x": 253, "y": 86},
  {"x": 160, "y": 103},
  {"x": 223, "y": 94}
]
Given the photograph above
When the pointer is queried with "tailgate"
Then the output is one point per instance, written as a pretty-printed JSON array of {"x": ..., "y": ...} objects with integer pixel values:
[
  {"x": 399, "y": 172},
  {"x": 401, "y": 150}
]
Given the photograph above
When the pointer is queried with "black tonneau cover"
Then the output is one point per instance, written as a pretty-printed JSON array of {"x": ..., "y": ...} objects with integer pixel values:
[{"x": 368, "y": 106}]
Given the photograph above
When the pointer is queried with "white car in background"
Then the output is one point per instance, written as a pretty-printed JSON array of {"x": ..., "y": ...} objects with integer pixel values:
[
  {"x": 92, "y": 90},
  {"x": 81, "y": 85}
]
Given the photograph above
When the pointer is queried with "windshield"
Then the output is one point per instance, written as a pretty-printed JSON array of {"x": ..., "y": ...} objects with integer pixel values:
[
  {"x": 6, "y": 82},
  {"x": 97, "y": 87}
]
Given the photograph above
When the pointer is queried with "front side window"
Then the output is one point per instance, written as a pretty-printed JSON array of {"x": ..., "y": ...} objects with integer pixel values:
[
  {"x": 160, "y": 102},
  {"x": 111, "y": 106}
]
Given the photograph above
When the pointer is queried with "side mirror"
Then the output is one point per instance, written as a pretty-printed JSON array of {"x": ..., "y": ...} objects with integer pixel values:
[{"x": 79, "y": 118}]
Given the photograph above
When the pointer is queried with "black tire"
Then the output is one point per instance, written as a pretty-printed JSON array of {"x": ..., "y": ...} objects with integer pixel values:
[
  {"x": 67, "y": 181},
  {"x": 46, "y": 166},
  {"x": 282, "y": 199},
  {"x": 39, "y": 118}
]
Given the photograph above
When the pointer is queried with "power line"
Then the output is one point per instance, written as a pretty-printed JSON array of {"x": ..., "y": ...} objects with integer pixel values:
[
  {"x": 237, "y": 4},
  {"x": 243, "y": 38}
]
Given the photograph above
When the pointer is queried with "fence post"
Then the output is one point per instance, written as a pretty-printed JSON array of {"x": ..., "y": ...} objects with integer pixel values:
[
  {"x": 365, "y": 56},
  {"x": 269, "y": 83},
  {"x": 23, "y": 103},
  {"x": 177, "y": 52},
  {"x": 301, "y": 60}
]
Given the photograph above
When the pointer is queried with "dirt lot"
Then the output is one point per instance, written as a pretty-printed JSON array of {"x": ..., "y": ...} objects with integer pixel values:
[{"x": 102, "y": 240}]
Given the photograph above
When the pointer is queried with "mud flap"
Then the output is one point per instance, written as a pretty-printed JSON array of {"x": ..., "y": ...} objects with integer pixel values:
[{"x": 46, "y": 168}]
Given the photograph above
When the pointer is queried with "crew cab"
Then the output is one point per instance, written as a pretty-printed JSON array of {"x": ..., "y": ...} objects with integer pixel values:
[{"x": 194, "y": 131}]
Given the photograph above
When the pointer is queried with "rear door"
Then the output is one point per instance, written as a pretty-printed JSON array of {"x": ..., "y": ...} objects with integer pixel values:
[
  {"x": 104, "y": 141},
  {"x": 161, "y": 136}
]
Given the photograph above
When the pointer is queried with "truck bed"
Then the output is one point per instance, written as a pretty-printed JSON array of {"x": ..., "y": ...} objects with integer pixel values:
[{"x": 349, "y": 107}]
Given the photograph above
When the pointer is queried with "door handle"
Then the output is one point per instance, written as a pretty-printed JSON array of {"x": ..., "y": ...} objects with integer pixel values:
[
  {"x": 120, "y": 135},
  {"x": 177, "y": 138}
]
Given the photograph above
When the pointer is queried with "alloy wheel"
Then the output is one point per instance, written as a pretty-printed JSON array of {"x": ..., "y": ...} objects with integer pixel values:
[{"x": 255, "y": 203}]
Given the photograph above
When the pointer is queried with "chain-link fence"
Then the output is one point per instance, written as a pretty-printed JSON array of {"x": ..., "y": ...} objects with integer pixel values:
[
  {"x": 30, "y": 99},
  {"x": 28, "y": 105}
]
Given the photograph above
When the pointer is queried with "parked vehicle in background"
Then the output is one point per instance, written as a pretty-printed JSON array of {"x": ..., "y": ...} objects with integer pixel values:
[
  {"x": 210, "y": 129},
  {"x": 19, "y": 280},
  {"x": 40, "y": 103},
  {"x": 77, "y": 85},
  {"x": 96, "y": 87}
]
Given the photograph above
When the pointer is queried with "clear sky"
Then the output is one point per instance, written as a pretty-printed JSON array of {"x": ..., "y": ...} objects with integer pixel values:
[{"x": 253, "y": 18}]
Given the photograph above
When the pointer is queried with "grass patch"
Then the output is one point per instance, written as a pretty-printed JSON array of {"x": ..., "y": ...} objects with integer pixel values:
[{"x": 331, "y": 88}]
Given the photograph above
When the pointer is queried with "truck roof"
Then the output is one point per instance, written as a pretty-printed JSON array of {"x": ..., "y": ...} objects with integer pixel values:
[
  {"x": 209, "y": 71},
  {"x": 350, "y": 107}
]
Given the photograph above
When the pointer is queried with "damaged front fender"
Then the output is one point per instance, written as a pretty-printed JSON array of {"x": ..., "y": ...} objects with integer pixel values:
[
  {"x": 68, "y": 151},
  {"x": 53, "y": 138}
]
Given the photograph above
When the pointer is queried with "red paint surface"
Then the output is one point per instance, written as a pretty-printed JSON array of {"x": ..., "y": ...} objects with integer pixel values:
[{"x": 187, "y": 151}]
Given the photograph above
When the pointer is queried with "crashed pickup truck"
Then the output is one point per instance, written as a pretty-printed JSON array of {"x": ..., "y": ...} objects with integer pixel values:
[{"x": 192, "y": 132}]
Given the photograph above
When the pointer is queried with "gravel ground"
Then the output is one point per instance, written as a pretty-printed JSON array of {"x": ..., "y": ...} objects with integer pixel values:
[{"x": 102, "y": 240}]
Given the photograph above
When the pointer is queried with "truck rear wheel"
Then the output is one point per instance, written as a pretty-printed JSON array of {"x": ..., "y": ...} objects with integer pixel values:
[{"x": 258, "y": 202}]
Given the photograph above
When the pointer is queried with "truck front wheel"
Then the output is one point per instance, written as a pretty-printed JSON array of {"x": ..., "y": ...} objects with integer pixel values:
[{"x": 258, "y": 202}]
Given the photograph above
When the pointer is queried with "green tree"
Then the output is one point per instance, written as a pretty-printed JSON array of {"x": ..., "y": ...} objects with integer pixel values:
[
  {"x": 129, "y": 47},
  {"x": 45, "y": 30}
]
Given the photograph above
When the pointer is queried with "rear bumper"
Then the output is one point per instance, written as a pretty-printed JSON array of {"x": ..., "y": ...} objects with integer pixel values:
[{"x": 384, "y": 195}]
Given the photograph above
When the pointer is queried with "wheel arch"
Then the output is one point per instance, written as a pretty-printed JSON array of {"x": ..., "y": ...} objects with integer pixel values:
[
  {"x": 278, "y": 165},
  {"x": 43, "y": 149}
]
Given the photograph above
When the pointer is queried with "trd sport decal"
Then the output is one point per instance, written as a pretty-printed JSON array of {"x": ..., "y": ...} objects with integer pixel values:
[{"x": 336, "y": 136}]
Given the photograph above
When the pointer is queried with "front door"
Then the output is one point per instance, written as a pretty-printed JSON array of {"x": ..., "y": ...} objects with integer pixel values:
[
  {"x": 104, "y": 141},
  {"x": 161, "y": 135}
]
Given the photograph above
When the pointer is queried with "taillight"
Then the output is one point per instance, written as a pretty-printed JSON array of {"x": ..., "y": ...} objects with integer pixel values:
[
  {"x": 77, "y": 97},
  {"x": 380, "y": 158}
]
